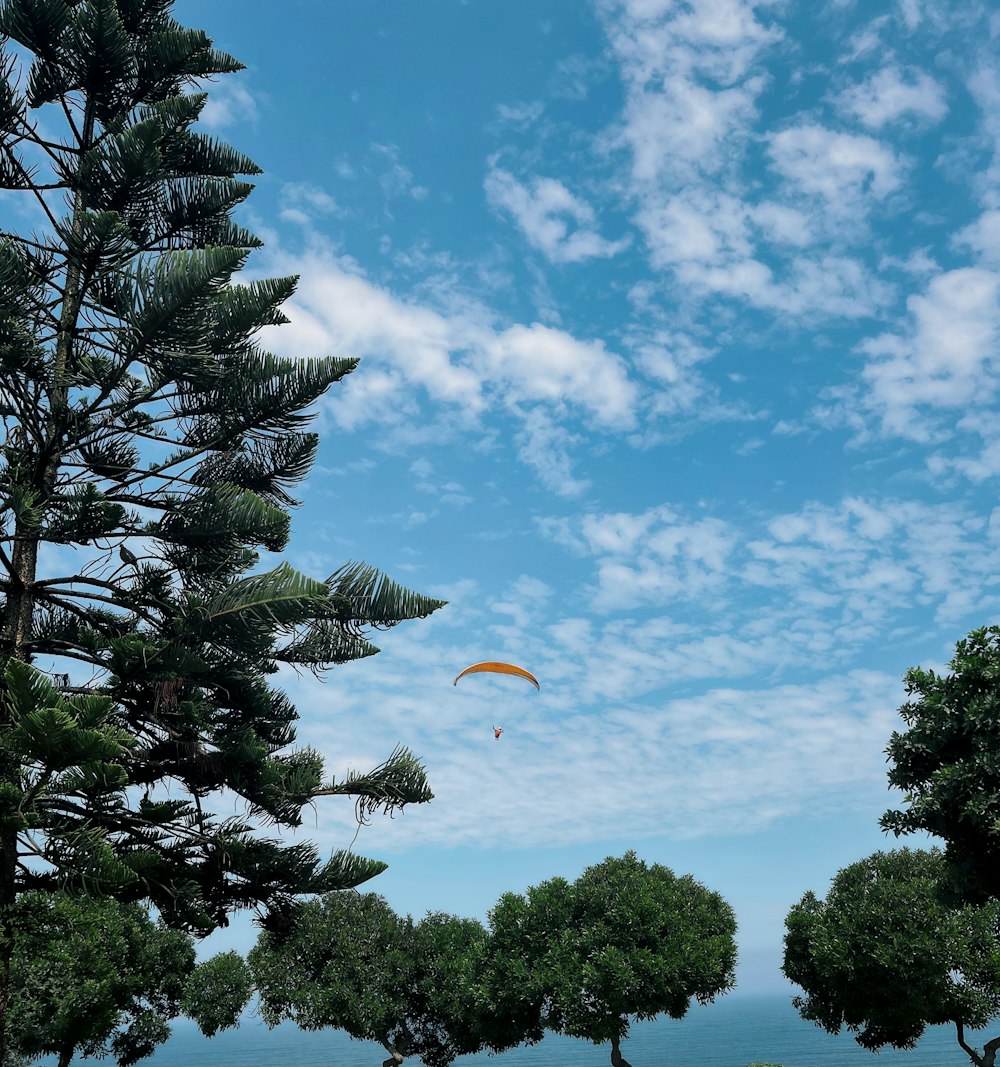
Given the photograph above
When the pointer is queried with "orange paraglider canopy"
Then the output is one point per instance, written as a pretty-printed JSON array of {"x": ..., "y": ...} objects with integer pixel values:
[{"x": 492, "y": 667}]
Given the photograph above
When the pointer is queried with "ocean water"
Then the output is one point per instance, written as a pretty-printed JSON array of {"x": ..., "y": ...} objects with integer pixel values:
[{"x": 732, "y": 1032}]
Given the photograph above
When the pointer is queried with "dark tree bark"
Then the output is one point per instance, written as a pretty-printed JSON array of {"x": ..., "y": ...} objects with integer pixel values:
[
  {"x": 395, "y": 1056},
  {"x": 988, "y": 1058},
  {"x": 617, "y": 1059}
]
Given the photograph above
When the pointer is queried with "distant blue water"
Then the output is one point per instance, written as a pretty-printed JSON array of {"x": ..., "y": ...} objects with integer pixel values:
[{"x": 733, "y": 1032}]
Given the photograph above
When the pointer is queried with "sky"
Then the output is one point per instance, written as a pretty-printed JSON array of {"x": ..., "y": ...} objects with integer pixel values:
[{"x": 678, "y": 326}]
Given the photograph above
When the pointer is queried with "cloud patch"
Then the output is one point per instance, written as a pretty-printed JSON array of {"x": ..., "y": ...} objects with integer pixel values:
[
  {"x": 560, "y": 225},
  {"x": 892, "y": 93},
  {"x": 457, "y": 359},
  {"x": 946, "y": 357},
  {"x": 840, "y": 168}
]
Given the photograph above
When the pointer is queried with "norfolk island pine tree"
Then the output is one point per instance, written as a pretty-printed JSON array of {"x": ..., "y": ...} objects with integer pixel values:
[{"x": 141, "y": 416}]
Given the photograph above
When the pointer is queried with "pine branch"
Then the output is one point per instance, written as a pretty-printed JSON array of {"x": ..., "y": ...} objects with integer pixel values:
[
  {"x": 364, "y": 596},
  {"x": 400, "y": 780}
]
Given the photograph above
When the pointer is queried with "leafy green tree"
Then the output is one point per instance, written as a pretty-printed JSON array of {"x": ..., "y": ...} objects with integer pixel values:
[
  {"x": 887, "y": 955},
  {"x": 217, "y": 992},
  {"x": 354, "y": 965},
  {"x": 347, "y": 964},
  {"x": 449, "y": 1010},
  {"x": 625, "y": 939},
  {"x": 947, "y": 763},
  {"x": 94, "y": 977},
  {"x": 145, "y": 426}
]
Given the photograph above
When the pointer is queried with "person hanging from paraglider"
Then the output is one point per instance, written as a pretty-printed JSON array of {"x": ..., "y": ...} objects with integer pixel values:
[{"x": 492, "y": 667}]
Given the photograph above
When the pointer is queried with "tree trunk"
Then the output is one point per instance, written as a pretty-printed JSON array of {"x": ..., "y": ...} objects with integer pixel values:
[
  {"x": 395, "y": 1056},
  {"x": 988, "y": 1058},
  {"x": 617, "y": 1059},
  {"x": 20, "y": 604}
]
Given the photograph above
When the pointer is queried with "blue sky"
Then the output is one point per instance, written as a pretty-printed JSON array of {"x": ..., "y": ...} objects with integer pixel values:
[{"x": 678, "y": 325}]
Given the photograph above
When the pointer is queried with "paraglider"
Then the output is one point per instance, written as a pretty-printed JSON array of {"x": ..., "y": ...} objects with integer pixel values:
[{"x": 495, "y": 667}]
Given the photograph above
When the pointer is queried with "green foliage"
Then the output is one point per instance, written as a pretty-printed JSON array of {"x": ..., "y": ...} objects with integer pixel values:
[
  {"x": 449, "y": 1012},
  {"x": 145, "y": 424},
  {"x": 217, "y": 992},
  {"x": 348, "y": 963},
  {"x": 93, "y": 977},
  {"x": 886, "y": 956},
  {"x": 625, "y": 939},
  {"x": 947, "y": 763},
  {"x": 351, "y": 963}
]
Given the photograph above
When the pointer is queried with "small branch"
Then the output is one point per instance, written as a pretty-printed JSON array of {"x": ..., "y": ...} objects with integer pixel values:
[
  {"x": 971, "y": 1052},
  {"x": 990, "y": 1051},
  {"x": 46, "y": 582}
]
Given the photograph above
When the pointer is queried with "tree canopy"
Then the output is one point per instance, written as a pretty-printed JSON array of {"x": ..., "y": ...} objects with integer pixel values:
[
  {"x": 94, "y": 977},
  {"x": 419, "y": 989},
  {"x": 887, "y": 955},
  {"x": 347, "y": 964},
  {"x": 947, "y": 763},
  {"x": 449, "y": 1012},
  {"x": 624, "y": 940},
  {"x": 217, "y": 991}
]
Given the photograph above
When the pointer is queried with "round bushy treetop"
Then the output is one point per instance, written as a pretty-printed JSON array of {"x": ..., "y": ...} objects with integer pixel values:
[
  {"x": 353, "y": 964},
  {"x": 625, "y": 939},
  {"x": 347, "y": 964},
  {"x": 450, "y": 1013},
  {"x": 94, "y": 977},
  {"x": 887, "y": 955}
]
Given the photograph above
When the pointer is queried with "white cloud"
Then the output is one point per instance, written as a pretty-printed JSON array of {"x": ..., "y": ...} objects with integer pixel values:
[
  {"x": 648, "y": 575},
  {"x": 983, "y": 237},
  {"x": 396, "y": 179},
  {"x": 910, "y": 10},
  {"x": 819, "y": 581},
  {"x": 738, "y": 758},
  {"x": 689, "y": 107},
  {"x": 302, "y": 201},
  {"x": 706, "y": 240},
  {"x": 825, "y": 575},
  {"x": 542, "y": 363},
  {"x": 701, "y": 225},
  {"x": 546, "y": 447},
  {"x": 841, "y": 168},
  {"x": 984, "y": 85},
  {"x": 717, "y": 38},
  {"x": 682, "y": 127},
  {"x": 891, "y": 93},
  {"x": 694, "y": 75},
  {"x": 553, "y": 220},
  {"x": 669, "y": 359},
  {"x": 867, "y": 38},
  {"x": 457, "y": 358},
  {"x": 229, "y": 104},
  {"x": 521, "y": 115},
  {"x": 710, "y": 672},
  {"x": 945, "y": 358},
  {"x": 782, "y": 224}
]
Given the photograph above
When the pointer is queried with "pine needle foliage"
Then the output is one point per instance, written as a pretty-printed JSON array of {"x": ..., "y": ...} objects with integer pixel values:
[{"x": 145, "y": 428}]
